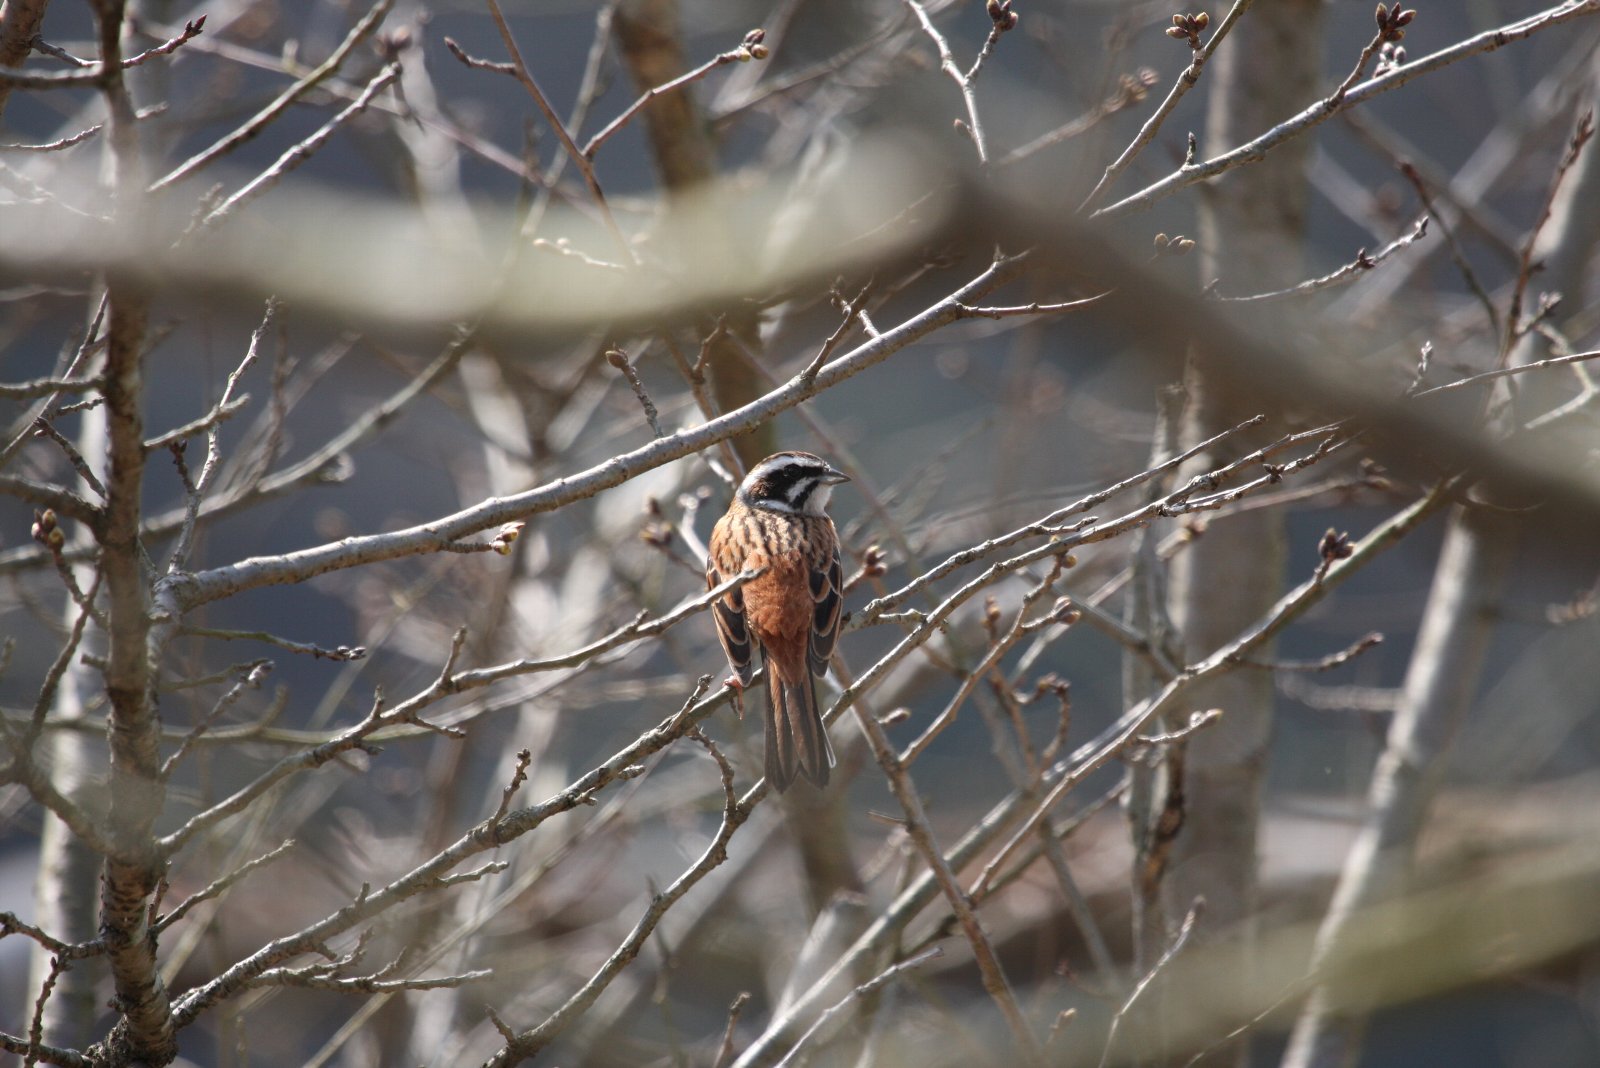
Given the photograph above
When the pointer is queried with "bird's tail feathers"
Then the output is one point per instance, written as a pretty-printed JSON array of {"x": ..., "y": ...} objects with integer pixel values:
[{"x": 797, "y": 743}]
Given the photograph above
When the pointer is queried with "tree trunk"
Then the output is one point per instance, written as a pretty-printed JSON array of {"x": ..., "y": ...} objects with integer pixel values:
[{"x": 1250, "y": 230}]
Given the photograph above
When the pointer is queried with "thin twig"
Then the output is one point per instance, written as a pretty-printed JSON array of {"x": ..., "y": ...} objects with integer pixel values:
[
  {"x": 45, "y": 429},
  {"x": 947, "y": 63},
  {"x": 1457, "y": 254},
  {"x": 1178, "y": 942},
  {"x": 1348, "y": 273},
  {"x": 1503, "y": 372},
  {"x": 639, "y": 627},
  {"x": 339, "y": 653},
  {"x": 220, "y": 886},
  {"x": 852, "y": 312},
  {"x": 251, "y": 681},
  {"x": 734, "y": 814},
  {"x": 871, "y": 986},
  {"x": 1320, "y": 112},
  {"x": 476, "y": 63},
  {"x": 1525, "y": 264},
  {"x": 208, "y": 471},
  {"x": 261, "y": 119},
  {"x": 95, "y": 74},
  {"x": 518, "y": 777},
  {"x": 1030, "y": 309},
  {"x": 1367, "y": 52},
  {"x": 579, "y": 160},
  {"x": 46, "y": 387},
  {"x": 220, "y": 413},
  {"x": 303, "y": 151},
  {"x": 748, "y": 50},
  {"x": 725, "y": 1048},
  {"x": 1147, "y": 133},
  {"x": 1326, "y": 663},
  {"x": 922, "y": 837},
  {"x": 619, "y": 359}
]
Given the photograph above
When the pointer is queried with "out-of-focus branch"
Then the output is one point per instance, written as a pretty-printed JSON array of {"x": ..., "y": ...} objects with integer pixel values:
[
  {"x": 63, "y": 501},
  {"x": 579, "y": 160}
]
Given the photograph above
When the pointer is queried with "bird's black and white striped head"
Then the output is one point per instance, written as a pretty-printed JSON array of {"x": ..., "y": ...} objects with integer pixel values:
[{"x": 794, "y": 482}]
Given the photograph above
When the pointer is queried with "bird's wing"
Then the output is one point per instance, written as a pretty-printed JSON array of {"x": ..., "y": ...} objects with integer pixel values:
[
  {"x": 733, "y": 630},
  {"x": 827, "y": 589}
]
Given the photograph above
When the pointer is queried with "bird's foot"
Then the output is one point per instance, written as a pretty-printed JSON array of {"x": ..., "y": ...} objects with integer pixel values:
[{"x": 736, "y": 685}]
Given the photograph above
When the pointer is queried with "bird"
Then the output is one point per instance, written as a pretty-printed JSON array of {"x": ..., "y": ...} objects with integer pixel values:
[{"x": 778, "y": 520}]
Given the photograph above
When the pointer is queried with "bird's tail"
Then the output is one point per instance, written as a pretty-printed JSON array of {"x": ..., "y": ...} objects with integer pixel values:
[{"x": 797, "y": 743}]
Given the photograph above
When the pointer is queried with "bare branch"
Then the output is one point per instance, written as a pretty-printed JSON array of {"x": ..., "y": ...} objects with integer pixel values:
[
  {"x": 734, "y": 813},
  {"x": 220, "y": 413},
  {"x": 303, "y": 151},
  {"x": 1178, "y": 942},
  {"x": 263, "y": 118},
  {"x": 220, "y": 886},
  {"x": 46, "y": 387},
  {"x": 96, "y": 75},
  {"x": 973, "y": 127},
  {"x": 579, "y": 160},
  {"x": 1327, "y": 663},
  {"x": 1504, "y": 372},
  {"x": 203, "y": 587},
  {"x": 921, "y": 833},
  {"x": 638, "y": 628},
  {"x": 1348, "y": 273},
  {"x": 1323, "y": 110},
  {"x": 1289, "y": 607},
  {"x": 63, "y": 501},
  {"x": 750, "y": 48},
  {"x": 1186, "y": 81},
  {"x": 871, "y": 986},
  {"x": 619, "y": 359}
]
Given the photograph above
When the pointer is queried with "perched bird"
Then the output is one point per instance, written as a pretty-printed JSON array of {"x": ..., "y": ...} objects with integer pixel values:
[{"x": 779, "y": 520}]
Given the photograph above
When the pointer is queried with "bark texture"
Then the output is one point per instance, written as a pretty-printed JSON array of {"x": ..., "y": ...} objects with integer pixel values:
[{"x": 1251, "y": 232}]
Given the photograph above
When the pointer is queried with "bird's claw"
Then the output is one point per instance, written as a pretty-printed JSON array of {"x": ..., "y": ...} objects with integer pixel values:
[{"x": 736, "y": 684}]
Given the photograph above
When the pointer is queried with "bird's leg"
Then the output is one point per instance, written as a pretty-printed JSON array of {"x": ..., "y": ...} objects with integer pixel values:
[{"x": 736, "y": 684}]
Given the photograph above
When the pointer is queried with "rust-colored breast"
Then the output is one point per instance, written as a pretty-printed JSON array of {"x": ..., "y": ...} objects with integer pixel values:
[{"x": 778, "y": 606}]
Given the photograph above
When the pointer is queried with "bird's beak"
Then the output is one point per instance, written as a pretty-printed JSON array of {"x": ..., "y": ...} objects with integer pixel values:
[{"x": 835, "y": 476}]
